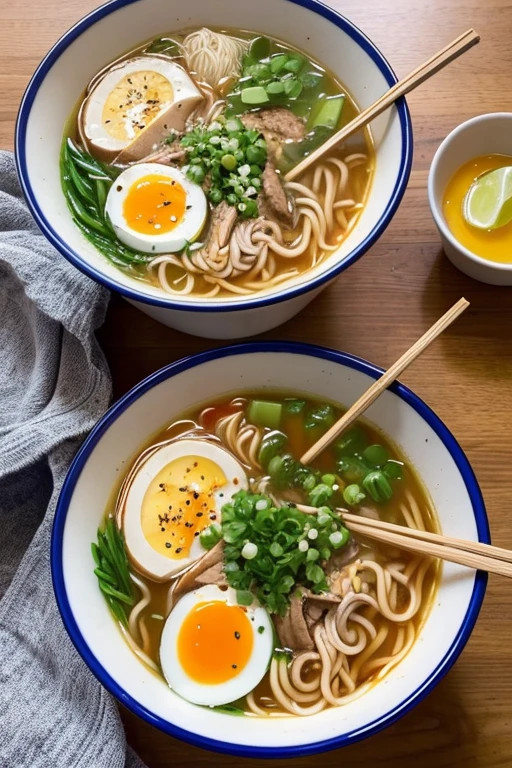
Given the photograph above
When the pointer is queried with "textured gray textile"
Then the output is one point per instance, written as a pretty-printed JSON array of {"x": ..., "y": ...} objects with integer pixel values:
[{"x": 54, "y": 385}]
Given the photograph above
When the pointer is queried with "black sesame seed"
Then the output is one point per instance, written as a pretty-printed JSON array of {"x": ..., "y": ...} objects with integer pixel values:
[
  {"x": 234, "y": 666},
  {"x": 119, "y": 188},
  {"x": 199, "y": 514},
  {"x": 182, "y": 490},
  {"x": 168, "y": 544},
  {"x": 178, "y": 550},
  {"x": 213, "y": 517},
  {"x": 237, "y": 635},
  {"x": 162, "y": 529},
  {"x": 196, "y": 495}
]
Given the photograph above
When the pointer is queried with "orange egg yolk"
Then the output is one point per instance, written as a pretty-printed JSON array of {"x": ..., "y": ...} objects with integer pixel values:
[
  {"x": 154, "y": 205},
  {"x": 215, "y": 642},
  {"x": 179, "y": 503}
]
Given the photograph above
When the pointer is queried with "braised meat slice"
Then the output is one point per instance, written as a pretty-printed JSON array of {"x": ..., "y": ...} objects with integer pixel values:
[
  {"x": 292, "y": 628},
  {"x": 275, "y": 123}
]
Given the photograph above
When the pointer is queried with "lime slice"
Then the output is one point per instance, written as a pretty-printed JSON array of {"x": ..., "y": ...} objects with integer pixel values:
[{"x": 488, "y": 202}]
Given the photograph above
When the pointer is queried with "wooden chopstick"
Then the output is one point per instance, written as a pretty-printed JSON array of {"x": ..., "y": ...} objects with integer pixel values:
[
  {"x": 475, "y": 547},
  {"x": 411, "y": 81},
  {"x": 371, "y": 394},
  {"x": 488, "y": 558}
]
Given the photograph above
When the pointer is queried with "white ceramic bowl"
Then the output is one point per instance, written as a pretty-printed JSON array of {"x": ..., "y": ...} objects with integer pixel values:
[
  {"x": 122, "y": 24},
  {"x": 325, "y": 373},
  {"x": 482, "y": 135}
]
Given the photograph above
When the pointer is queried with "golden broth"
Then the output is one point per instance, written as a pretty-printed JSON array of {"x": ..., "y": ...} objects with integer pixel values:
[{"x": 495, "y": 244}]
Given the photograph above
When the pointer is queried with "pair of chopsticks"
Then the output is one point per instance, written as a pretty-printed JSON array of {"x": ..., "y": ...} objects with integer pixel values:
[
  {"x": 483, "y": 557},
  {"x": 469, "y": 553},
  {"x": 413, "y": 79}
]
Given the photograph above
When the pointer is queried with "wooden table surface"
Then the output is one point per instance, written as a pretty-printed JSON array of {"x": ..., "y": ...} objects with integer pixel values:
[{"x": 375, "y": 309}]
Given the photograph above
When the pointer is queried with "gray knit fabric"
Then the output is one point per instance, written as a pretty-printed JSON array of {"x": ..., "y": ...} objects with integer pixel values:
[{"x": 54, "y": 385}]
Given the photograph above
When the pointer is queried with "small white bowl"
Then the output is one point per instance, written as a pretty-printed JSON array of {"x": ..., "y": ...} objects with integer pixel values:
[
  {"x": 156, "y": 401},
  {"x": 482, "y": 135},
  {"x": 120, "y": 25}
]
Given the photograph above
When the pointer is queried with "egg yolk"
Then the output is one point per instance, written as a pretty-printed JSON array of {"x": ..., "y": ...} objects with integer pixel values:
[
  {"x": 215, "y": 642},
  {"x": 135, "y": 102},
  {"x": 154, "y": 205},
  {"x": 179, "y": 503},
  {"x": 491, "y": 244}
]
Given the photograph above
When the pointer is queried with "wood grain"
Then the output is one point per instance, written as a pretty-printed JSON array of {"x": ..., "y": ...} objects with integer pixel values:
[{"x": 376, "y": 309}]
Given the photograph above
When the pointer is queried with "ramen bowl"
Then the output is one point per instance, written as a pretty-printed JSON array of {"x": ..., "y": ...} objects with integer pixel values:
[
  {"x": 127, "y": 426},
  {"x": 120, "y": 26}
]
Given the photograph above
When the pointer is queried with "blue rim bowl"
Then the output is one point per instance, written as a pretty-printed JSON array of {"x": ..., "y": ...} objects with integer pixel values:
[
  {"x": 250, "y": 303},
  {"x": 322, "y": 354}
]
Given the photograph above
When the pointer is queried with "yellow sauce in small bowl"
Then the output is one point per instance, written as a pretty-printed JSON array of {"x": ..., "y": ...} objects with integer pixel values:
[{"x": 491, "y": 244}]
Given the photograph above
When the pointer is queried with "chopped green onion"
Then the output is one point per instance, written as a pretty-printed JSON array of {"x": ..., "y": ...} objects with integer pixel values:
[
  {"x": 244, "y": 597},
  {"x": 353, "y": 495},
  {"x": 210, "y": 536},
  {"x": 249, "y": 551},
  {"x": 378, "y": 486}
]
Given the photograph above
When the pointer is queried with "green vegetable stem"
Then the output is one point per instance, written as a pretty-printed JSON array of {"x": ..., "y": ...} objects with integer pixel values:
[{"x": 112, "y": 570}]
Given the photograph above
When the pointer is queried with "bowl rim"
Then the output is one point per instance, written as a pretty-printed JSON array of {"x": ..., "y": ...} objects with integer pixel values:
[
  {"x": 236, "y": 304},
  {"x": 435, "y": 202},
  {"x": 319, "y": 353}
]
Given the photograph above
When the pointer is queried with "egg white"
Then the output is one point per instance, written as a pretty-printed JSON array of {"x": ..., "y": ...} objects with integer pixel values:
[
  {"x": 155, "y": 565},
  {"x": 184, "y": 90},
  {"x": 187, "y": 229},
  {"x": 247, "y": 679}
]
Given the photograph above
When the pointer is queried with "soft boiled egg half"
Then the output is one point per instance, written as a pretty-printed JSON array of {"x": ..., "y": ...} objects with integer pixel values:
[
  {"x": 136, "y": 104},
  {"x": 171, "y": 497},
  {"x": 214, "y": 651},
  {"x": 155, "y": 209}
]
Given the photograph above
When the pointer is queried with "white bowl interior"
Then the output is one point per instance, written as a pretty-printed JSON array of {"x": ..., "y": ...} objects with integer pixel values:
[
  {"x": 233, "y": 373},
  {"x": 126, "y": 27}
]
